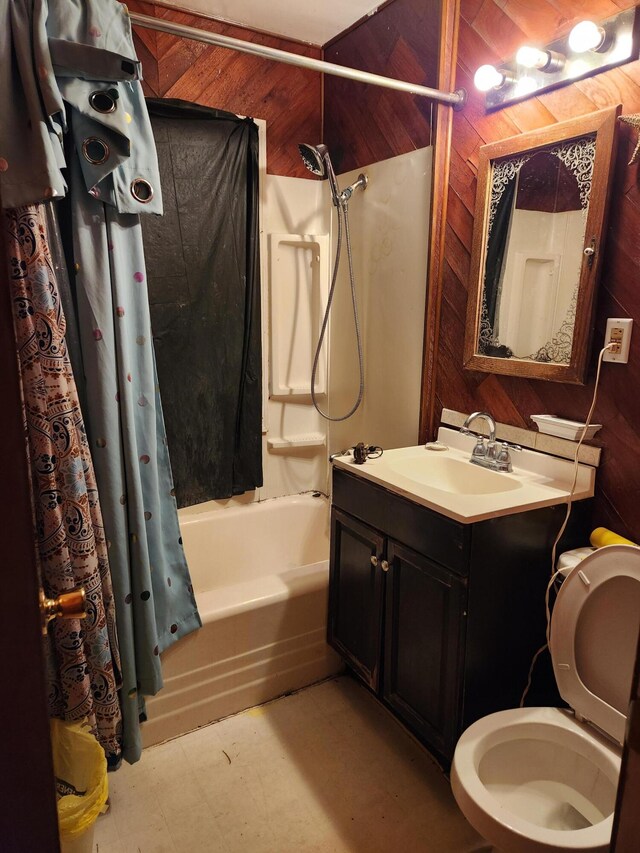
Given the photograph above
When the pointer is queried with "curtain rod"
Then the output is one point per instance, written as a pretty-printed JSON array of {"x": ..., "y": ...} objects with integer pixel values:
[{"x": 454, "y": 99}]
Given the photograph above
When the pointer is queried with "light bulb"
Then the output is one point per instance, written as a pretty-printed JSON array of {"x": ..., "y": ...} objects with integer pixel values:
[
  {"x": 586, "y": 36},
  {"x": 525, "y": 86},
  {"x": 488, "y": 77},
  {"x": 578, "y": 67},
  {"x": 532, "y": 57}
]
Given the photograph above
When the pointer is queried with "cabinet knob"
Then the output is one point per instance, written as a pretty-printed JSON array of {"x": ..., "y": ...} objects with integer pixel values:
[
  {"x": 374, "y": 560},
  {"x": 590, "y": 252},
  {"x": 385, "y": 565}
]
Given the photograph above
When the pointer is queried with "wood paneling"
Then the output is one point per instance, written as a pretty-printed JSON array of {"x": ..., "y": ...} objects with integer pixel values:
[
  {"x": 287, "y": 97},
  {"x": 364, "y": 124},
  {"x": 442, "y": 168},
  {"x": 490, "y": 31}
]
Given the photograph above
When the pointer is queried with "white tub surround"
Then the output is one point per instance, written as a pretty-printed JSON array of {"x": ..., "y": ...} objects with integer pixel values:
[
  {"x": 296, "y": 265},
  {"x": 389, "y": 240},
  {"x": 447, "y": 482},
  {"x": 261, "y": 575}
]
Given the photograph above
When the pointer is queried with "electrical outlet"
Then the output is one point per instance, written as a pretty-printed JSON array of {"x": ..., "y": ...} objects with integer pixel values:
[{"x": 618, "y": 333}]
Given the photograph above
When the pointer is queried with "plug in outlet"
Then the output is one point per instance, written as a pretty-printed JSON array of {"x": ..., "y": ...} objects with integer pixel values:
[{"x": 618, "y": 332}]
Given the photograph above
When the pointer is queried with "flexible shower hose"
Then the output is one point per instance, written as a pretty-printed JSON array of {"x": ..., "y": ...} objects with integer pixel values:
[{"x": 342, "y": 209}]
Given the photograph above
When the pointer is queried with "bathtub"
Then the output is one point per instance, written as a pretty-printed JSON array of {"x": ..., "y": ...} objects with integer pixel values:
[{"x": 261, "y": 574}]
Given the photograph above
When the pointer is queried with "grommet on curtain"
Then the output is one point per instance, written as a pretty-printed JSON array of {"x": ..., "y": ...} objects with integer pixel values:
[
  {"x": 95, "y": 150},
  {"x": 141, "y": 190},
  {"x": 103, "y": 101}
]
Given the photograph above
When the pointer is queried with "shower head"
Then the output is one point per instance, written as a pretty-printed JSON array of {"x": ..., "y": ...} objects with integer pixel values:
[
  {"x": 316, "y": 159},
  {"x": 313, "y": 157}
]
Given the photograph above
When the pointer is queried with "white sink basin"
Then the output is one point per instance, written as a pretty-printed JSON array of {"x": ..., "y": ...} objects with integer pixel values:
[
  {"x": 447, "y": 482},
  {"x": 456, "y": 476}
]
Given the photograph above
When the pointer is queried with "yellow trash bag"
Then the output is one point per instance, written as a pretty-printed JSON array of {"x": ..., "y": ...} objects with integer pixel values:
[{"x": 80, "y": 768}]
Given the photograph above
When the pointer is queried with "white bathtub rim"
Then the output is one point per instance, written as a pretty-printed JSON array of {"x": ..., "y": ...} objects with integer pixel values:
[
  {"x": 190, "y": 514},
  {"x": 226, "y": 601}
]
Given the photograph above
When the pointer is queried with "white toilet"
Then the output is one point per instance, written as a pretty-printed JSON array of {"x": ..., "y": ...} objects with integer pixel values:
[{"x": 545, "y": 779}]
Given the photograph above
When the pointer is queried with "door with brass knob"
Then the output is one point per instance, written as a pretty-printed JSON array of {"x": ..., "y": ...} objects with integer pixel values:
[
  {"x": 69, "y": 605},
  {"x": 25, "y": 744}
]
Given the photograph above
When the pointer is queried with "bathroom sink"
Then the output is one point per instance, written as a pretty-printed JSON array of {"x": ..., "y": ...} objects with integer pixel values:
[
  {"x": 456, "y": 476},
  {"x": 446, "y": 481}
]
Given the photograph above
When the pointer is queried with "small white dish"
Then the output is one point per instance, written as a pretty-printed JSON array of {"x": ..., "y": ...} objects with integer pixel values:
[{"x": 552, "y": 425}]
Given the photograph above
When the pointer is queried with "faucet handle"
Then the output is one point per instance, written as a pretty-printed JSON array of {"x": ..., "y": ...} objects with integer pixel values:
[
  {"x": 508, "y": 445},
  {"x": 503, "y": 459},
  {"x": 479, "y": 451}
]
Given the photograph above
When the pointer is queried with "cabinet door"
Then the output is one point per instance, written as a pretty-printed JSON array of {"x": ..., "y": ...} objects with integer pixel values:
[
  {"x": 424, "y": 629},
  {"x": 355, "y": 595}
]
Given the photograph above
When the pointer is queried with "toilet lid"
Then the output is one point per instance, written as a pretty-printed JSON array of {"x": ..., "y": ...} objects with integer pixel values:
[{"x": 594, "y": 635}]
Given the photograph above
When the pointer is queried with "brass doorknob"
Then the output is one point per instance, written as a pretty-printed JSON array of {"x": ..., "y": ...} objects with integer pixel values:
[{"x": 69, "y": 605}]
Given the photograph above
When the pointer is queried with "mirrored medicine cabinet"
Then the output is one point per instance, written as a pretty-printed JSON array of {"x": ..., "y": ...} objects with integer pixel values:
[{"x": 540, "y": 215}]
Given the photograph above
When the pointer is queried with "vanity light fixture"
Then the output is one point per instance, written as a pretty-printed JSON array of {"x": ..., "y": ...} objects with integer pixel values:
[{"x": 589, "y": 48}]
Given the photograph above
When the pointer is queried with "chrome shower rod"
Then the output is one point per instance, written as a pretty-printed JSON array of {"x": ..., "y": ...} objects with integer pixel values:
[{"x": 454, "y": 99}]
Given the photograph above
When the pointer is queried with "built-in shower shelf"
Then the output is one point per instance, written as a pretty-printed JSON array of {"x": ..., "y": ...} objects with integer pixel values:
[
  {"x": 295, "y": 391},
  {"x": 312, "y": 439},
  {"x": 299, "y": 287}
]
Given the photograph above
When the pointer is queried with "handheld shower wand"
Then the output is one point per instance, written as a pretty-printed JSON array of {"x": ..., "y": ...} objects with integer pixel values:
[{"x": 316, "y": 159}]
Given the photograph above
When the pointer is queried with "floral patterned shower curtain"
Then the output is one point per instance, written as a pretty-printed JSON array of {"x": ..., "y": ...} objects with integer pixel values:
[{"x": 84, "y": 663}]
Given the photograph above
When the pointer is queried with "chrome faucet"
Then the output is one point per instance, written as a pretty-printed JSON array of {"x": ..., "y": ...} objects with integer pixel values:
[
  {"x": 487, "y": 455},
  {"x": 490, "y": 423}
]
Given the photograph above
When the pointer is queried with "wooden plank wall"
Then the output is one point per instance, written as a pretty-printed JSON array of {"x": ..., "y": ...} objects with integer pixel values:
[
  {"x": 364, "y": 124},
  {"x": 287, "y": 97},
  {"x": 492, "y": 30}
]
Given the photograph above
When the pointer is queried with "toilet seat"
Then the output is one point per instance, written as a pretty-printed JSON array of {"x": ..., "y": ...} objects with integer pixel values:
[{"x": 594, "y": 627}]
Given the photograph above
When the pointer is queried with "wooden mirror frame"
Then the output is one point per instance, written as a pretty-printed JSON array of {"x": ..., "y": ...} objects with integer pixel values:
[{"x": 604, "y": 125}]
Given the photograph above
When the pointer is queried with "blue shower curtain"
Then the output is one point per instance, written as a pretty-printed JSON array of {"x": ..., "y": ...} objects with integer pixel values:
[
  {"x": 154, "y": 597},
  {"x": 74, "y": 74}
]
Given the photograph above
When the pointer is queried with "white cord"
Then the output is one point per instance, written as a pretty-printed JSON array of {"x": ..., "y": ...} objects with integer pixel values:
[{"x": 555, "y": 574}]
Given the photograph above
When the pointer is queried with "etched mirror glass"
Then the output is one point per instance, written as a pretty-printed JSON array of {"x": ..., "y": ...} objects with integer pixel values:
[{"x": 535, "y": 245}]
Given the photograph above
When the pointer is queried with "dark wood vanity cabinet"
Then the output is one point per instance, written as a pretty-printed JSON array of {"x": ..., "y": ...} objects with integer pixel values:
[
  {"x": 355, "y": 594},
  {"x": 441, "y": 619},
  {"x": 424, "y": 625}
]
